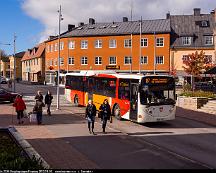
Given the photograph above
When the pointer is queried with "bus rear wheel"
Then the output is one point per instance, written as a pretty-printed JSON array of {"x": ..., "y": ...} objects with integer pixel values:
[
  {"x": 116, "y": 112},
  {"x": 76, "y": 100}
]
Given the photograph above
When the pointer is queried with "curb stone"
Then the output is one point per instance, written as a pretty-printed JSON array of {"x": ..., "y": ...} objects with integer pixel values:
[{"x": 27, "y": 147}]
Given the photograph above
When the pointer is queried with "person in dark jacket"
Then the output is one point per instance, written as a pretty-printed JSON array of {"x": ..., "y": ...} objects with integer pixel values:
[
  {"x": 38, "y": 109},
  {"x": 39, "y": 96},
  {"x": 90, "y": 115},
  {"x": 105, "y": 112},
  {"x": 48, "y": 101},
  {"x": 20, "y": 106}
]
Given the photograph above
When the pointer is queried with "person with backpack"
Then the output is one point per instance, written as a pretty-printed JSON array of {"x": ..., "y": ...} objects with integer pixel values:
[
  {"x": 39, "y": 96},
  {"x": 105, "y": 113},
  {"x": 48, "y": 101},
  {"x": 90, "y": 116},
  {"x": 38, "y": 109}
]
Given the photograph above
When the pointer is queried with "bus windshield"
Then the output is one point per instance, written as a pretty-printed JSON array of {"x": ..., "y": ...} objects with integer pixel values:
[{"x": 157, "y": 90}]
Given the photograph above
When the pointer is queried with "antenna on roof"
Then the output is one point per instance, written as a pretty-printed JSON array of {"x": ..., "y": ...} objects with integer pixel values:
[{"x": 131, "y": 5}]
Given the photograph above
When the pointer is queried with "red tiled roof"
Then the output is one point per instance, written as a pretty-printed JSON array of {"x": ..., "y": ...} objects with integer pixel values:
[{"x": 35, "y": 52}]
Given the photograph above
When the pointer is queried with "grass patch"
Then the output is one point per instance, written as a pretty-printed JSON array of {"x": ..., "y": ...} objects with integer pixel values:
[
  {"x": 198, "y": 94},
  {"x": 13, "y": 157}
]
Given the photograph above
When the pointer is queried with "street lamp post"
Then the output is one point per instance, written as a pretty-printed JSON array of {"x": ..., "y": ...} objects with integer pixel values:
[
  {"x": 14, "y": 63},
  {"x": 58, "y": 79},
  {"x": 1, "y": 62}
]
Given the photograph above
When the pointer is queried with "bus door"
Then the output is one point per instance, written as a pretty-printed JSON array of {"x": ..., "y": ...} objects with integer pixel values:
[
  {"x": 134, "y": 101},
  {"x": 90, "y": 88}
]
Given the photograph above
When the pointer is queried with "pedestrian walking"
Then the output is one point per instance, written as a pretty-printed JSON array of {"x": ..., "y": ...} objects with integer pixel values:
[
  {"x": 48, "y": 101},
  {"x": 9, "y": 84},
  {"x": 20, "y": 106},
  {"x": 105, "y": 113},
  {"x": 39, "y": 96},
  {"x": 38, "y": 109},
  {"x": 90, "y": 115}
]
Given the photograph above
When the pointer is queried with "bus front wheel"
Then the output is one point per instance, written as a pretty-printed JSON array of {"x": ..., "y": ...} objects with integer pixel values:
[
  {"x": 76, "y": 100},
  {"x": 116, "y": 112}
]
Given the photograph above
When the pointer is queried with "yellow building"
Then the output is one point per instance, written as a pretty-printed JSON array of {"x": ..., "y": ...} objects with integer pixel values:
[
  {"x": 33, "y": 64},
  {"x": 18, "y": 58}
]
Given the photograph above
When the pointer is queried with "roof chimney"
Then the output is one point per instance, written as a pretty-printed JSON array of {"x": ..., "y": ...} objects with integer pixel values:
[
  {"x": 168, "y": 15},
  {"x": 91, "y": 21},
  {"x": 197, "y": 11},
  {"x": 70, "y": 27},
  {"x": 80, "y": 24},
  {"x": 125, "y": 19}
]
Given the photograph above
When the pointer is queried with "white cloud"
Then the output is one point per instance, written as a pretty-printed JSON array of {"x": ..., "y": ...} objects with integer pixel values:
[{"x": 75, "y": 11}]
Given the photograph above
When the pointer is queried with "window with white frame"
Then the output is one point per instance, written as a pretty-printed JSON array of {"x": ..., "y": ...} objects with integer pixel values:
[
  {"x": 71, "y": 60},
  {"x": 208, "y": 40},
  {"x": 144, "y": 60},
  {"x": 84, "y": 61},
  {"x": 71, "y": 44},
  {"x": 112, "y": 60},
  {"x": 127, "y": 43},
  {"x": 51, "y": 48},
  {"x": 159, "y": 59},
  {"x": 160, "y": 42},
  {"x": 51, "y": 62},
  {"x": 112, "y": 44},
  {"x": 144, "y": 42},
  {"x": 56, "y": 46},
  {"x": 186, "y": 40},
  {"x": 185, "y": 58},
  {"x": 98, "y": 43},
  {"x": 98, "y": 60},
  {"x": 62, "y": 46},
  {"x": 84, "y": 44},
  {"x": 127, "y": 60},
  {"x": 61, "y": 61}
]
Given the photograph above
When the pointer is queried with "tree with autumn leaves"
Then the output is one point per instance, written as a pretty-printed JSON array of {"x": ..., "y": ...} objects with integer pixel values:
[{"x": 196, "y": 63}]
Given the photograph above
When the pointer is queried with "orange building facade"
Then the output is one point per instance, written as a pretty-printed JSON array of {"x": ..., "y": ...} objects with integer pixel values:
[{"x": 111, "y": 46}]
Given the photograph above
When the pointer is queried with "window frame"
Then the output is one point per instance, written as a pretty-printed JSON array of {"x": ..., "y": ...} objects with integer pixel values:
[
  {"x": 142, "y": 60},
  {"x": 159, "y": 43},
  {"x": 186, "y": 41},
  {"x": 98, "y": 60},
  {"x": 129, "y": 44},
  {"x": 111, "y": 43},
  {"x": 84, "y": 44},
  {"x": 142, "y": 42},
  {"x": 84, "y": 60},
  {"x": 208, "y": 38},
  {"x": 110, "y": 60},
  {"x": 71, "y": 61},
  {"x": 159, "y": 62},
  {"x": 129, "y": 59},
  {"x": 98, "y": 44}
]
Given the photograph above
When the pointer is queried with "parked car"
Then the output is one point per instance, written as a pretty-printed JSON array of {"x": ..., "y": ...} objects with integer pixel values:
[
  {"x": 7, "y": 95},
  {"x": 3, "y": 80}
]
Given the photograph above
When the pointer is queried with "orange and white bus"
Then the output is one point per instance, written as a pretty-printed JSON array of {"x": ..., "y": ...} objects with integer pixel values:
[{"x": 135, "y": 97}]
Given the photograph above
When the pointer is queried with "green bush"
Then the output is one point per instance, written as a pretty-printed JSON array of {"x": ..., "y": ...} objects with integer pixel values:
[
  {"x": 13, "y": 157},
  {"x": 198, "y": 94}
]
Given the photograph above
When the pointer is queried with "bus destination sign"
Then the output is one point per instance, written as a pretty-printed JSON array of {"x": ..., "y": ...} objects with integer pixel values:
[{"x": 157, "y": 80}]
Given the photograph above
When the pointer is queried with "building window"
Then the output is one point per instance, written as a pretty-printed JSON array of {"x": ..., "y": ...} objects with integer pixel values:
[
  {"x": 98, "y": 44},
  {"x": 185, "y": 58},
  {"x": 56, "y": 62},
  {"x": 127, "y": 60},
  {"x": 61, "y": 61},
  {"x": 159, "y": 60},
  {"x": 71, "y": 44},
  {"x": 112, "y": 44},
  {"x": 84, "y": 44},
  {"x": 62, "y": 46},
  {"x": 51, "y": 62},
  {"x": 128, "y": 43},
  {"x": 186, "y": 40},
  {"x": 208, "y": 59},
  {"x": 56, "y": 46},
  {"x": 160, "y": 42},
  {"x": 98, "y": 60},
  {"x": 71, "y": 60},
  {"x": 112, "y": 60},
  {"x": 84, "y": 61},
  {"x": 51, "y": 48},
  {"x": 144, "y": 60},
  {"x": 208, "y": 40},
  {"x": 144, "y": 42}
]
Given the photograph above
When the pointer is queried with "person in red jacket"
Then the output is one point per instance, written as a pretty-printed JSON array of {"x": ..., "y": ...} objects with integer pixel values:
[{"x": 20, "y": 106}]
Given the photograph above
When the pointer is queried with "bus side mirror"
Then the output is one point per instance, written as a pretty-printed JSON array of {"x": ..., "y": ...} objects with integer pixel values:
[{"x": 176, "y": 96}]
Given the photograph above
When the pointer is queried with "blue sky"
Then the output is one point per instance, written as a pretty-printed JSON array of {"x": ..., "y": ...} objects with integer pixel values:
[
  {"x": 14, "y": 20},
  {"x": 34, "y": 20}
]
